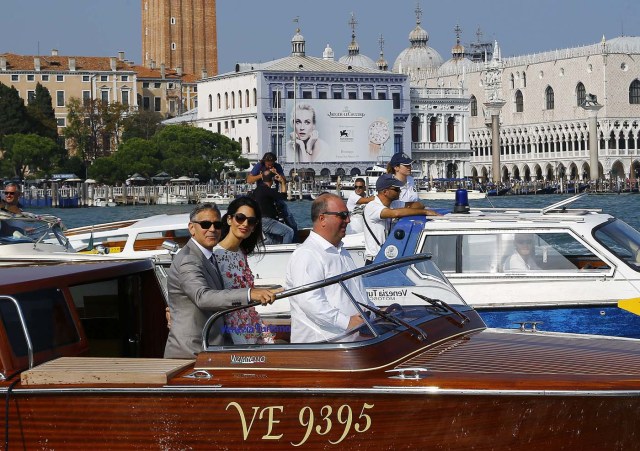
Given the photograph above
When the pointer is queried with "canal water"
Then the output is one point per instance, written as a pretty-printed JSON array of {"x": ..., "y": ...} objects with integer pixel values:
[{"x": 623, "y": 206}]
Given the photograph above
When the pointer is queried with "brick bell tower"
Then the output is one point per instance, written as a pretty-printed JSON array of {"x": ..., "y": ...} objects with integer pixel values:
[{"x": 181, "y": 34}]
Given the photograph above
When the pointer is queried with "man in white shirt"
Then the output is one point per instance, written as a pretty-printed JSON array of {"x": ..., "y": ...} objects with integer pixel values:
[
  {"x": 326, "y": 312},
  {"x": 523, "y": 257},
  {"x": 379, "y": 213},
  {"x": 355, "y": 203}
]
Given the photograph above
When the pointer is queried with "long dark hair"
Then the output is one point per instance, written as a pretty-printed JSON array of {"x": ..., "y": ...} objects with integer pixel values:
[{"x": 253, "y": 241}]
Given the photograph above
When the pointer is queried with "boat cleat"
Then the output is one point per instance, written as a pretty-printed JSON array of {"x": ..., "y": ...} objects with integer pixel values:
[{"x": 534, "y": 326}]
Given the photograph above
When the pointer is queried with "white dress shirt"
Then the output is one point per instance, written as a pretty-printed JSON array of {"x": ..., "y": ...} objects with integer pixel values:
[
  {"x": 379, "y": 226},
  {"x": 323, "y": 313}
]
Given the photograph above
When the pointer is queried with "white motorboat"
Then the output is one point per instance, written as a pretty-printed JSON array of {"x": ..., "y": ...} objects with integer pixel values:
[
  {"x": 221, "y": 200},
  {"x": 172, "y": 199},
  {"x": 449, "y": 194},
  {"x": 103, "y": 202}
]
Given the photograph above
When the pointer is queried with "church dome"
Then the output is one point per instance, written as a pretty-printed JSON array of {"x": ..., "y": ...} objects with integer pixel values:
[
  {"x": 459, "y": 60},
  {"x": 419, "y": 56},
  {"x": 354, "y": 58}
]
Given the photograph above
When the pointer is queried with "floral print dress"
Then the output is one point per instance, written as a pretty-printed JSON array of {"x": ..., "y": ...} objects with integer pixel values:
[{"x": 245, "y": 326}]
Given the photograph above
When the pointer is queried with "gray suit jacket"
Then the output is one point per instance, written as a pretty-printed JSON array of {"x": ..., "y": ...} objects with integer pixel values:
[{"x": 196, "y": 291}]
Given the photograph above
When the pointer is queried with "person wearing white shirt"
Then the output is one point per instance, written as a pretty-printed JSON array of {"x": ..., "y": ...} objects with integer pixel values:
[
  {"x": 522, "y": 258},
  {"x": 400, "y": 167},
  {"x": 327, "y": 312},
  {"x": 379, "y": 213},
  {"x": 355, "y": 203}
]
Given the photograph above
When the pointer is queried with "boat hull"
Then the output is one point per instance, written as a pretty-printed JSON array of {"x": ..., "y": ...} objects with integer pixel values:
[{"x": 382, "y": 418}]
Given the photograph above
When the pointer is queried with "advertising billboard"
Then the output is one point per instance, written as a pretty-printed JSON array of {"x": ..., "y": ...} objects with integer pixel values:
[{"x": 339, "y": 130}]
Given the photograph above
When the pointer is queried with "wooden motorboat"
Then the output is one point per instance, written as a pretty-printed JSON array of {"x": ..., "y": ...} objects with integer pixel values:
[{"x": 429, "y": 376}]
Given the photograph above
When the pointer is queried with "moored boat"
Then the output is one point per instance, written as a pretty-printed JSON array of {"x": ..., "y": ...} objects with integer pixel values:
[{"x": 427, "y": 376}]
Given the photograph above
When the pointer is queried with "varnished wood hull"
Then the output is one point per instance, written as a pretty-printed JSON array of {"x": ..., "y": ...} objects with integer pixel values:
[{"x": 168, "y": 419}]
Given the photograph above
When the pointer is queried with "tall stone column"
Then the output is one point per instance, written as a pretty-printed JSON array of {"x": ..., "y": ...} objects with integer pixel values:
[
  {"x": 592, "y": 107},
  {"x": 494, "y": 108}
]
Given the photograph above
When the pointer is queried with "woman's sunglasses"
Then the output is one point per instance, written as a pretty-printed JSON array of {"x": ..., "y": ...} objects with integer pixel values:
[
  {"x": 241, "y": 218},
  {"x": 206, "y": 225}
]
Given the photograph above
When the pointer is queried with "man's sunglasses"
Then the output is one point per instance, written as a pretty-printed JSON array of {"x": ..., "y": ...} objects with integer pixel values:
[
  {"x": 241, "y": 218},
  {"x": 394, "y": 188},
  {"x": 206, "y": 225},
  {"x": 10, "y": 193},
  {"x": 340, "y": 214},
  {"x": 359, "y": 186}
]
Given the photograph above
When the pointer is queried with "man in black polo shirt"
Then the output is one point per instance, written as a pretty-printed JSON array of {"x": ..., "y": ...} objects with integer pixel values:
[{"x": 267, "y": 197}]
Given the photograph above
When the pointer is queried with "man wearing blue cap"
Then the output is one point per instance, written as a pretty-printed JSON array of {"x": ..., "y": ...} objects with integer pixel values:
[
  {"x": 400, "y": 167},
  {"x": 381, "y": 210}
]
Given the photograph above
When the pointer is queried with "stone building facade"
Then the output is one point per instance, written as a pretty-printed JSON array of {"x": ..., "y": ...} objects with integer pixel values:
[{"x": 182, "y": 35}]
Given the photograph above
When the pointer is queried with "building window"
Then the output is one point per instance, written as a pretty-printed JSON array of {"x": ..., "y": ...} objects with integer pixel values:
[
  {"x": 44, "y": 77},
  {"x": 60, "y": 78},
  {"x": 382, "y": 96},
  {"x": 104, "y": 96},
  {"x": 104, "y": 78},
  {"x": 226, "y": 126},
  {"x": 239, "y": 99},
  {"x": 219, "y": 127},
  {"x": 218, "y": 100},
  {"x": 276, "y": 99},
  {"x": 233, "y": 124},
  {"x": 15, "y": 77},
  {"x": 549, "y": 97},
  {"x": 513, "y": 81},
  {"x": 157, "y": 85},
  {"x": 353, "y": 96},
  {"x": 581, "y": 94},
  {"x": 322, "y": 95},
  {"x": 210, "y": 103},
  {"x": 337, "y": 95},
  {"x": 524, "y": 80},
  {"x": 248, "y": 145},
  {"x": 306, "y": 94},
  {"x": 146, "y": 103},
  {"x": 226, "y": 101},
  {"x": 519, "y": 102},
  {"x": 124, "y": 78},
  {"x": 246, "y": 96},
  {"x": 397, "y": 144},
  {"x": 31, "y": 77},
  {"x": 85, "y": 78},
  {"x": 125, "y": 97},
  {"x": 157, "y": 104},
  {"x": 233, "y": 99},
  {"x": 396, "y": 100},
  {"x": 173, "y": 46},
  {"x": 173, "y": 21},
  {"x": 474, "y": 106},
  {"x": 31, "y": 96},
  {"x": 145, "y": 84},
  {"x": 289, "y": 94},
  {"x": 60, "y": 122},
  {"x": 366, "y": 95},
  {"x": 255, "y": 97},
  {"x": 86, "y": 97},
  {"x": 59, "y": 98},
  {"x": 634, "y": 92}
]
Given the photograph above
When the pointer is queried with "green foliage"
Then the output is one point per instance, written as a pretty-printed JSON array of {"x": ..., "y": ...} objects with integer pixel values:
[
  {"x": 31, "y": 151},
  {"x": 190, "y": 150},
  {"x": 71, "y": 165},
  {"x": 135, "y": 155},
  {"x": 141, "y": 124},
  {"x": 13, "y": 113},
  {"x": 42, "y": 114}
]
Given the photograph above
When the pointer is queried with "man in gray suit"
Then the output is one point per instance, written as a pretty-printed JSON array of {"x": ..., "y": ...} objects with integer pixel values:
[{"x": 196, "y": 289}]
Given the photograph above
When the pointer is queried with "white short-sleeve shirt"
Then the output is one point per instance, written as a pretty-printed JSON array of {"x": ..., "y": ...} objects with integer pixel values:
[{"x": 378, "y": 227}]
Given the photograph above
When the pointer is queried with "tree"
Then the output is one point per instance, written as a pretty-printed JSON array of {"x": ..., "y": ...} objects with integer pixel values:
[
  {"x": 13, "y": 113},
  {"x": 42, "y": 114},
  {"x": 31, "y": 151},
  {"x": 141, "y": 124},
  {"x": 187, "y": 150}
]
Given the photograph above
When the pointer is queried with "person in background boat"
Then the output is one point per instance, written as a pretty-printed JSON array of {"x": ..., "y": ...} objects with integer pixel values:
[
  {"x": 305, "y": 145},
  {"x": 268, "y": 200},
  {"x": 379, "y": 213},
  {"x": 268, "y": 163},
  {"x": 241, "y": 236},
  {"x": 355, "y": 203},
  {"x": 400, "y": 167},
  {"x": 11, "y": 198},
  {"x": 196, "y": 289},
  {"x": 523, "y": 257},
  {"x": 326, "y": 312}
]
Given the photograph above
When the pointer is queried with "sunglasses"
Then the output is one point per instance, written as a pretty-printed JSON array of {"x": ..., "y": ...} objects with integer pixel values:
[
  {"x": 394, "y": 188},
  {"x": 241, "y": 218},
  {"x": 206, "y": 225},
  {"x": 359, "y": 186},
  {"x": 340, "y": 214},
  {"x": 10, "y": 193}
]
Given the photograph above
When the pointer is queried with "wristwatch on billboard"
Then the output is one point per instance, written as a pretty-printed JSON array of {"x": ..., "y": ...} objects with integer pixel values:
[{"x": 378, "y": 134}]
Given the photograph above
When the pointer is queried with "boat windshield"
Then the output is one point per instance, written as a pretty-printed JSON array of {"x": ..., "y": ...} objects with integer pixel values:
[
  {"x": 30, "y": 229},
  {"x": 400, "y": 300},
  {"x": 622, "y": 240}
]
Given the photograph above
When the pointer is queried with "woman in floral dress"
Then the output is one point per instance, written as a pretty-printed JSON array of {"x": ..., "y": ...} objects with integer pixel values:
[{"x": 241, "y": 235}]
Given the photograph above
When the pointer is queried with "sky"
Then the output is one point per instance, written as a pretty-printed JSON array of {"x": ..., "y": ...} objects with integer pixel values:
[{"x": 261, "y": 30}]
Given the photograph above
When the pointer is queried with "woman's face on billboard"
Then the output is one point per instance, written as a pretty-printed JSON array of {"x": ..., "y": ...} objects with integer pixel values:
[{"x": 304, "y": 124}]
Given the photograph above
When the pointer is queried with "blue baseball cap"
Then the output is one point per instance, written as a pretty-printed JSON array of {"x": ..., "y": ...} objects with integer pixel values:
[
  {"x": 386, "y": 181},
  {"x": 398, "y": 159}
]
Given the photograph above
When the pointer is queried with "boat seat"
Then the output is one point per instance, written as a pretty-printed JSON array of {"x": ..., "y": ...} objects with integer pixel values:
[{"x": 93, "y": 370}]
